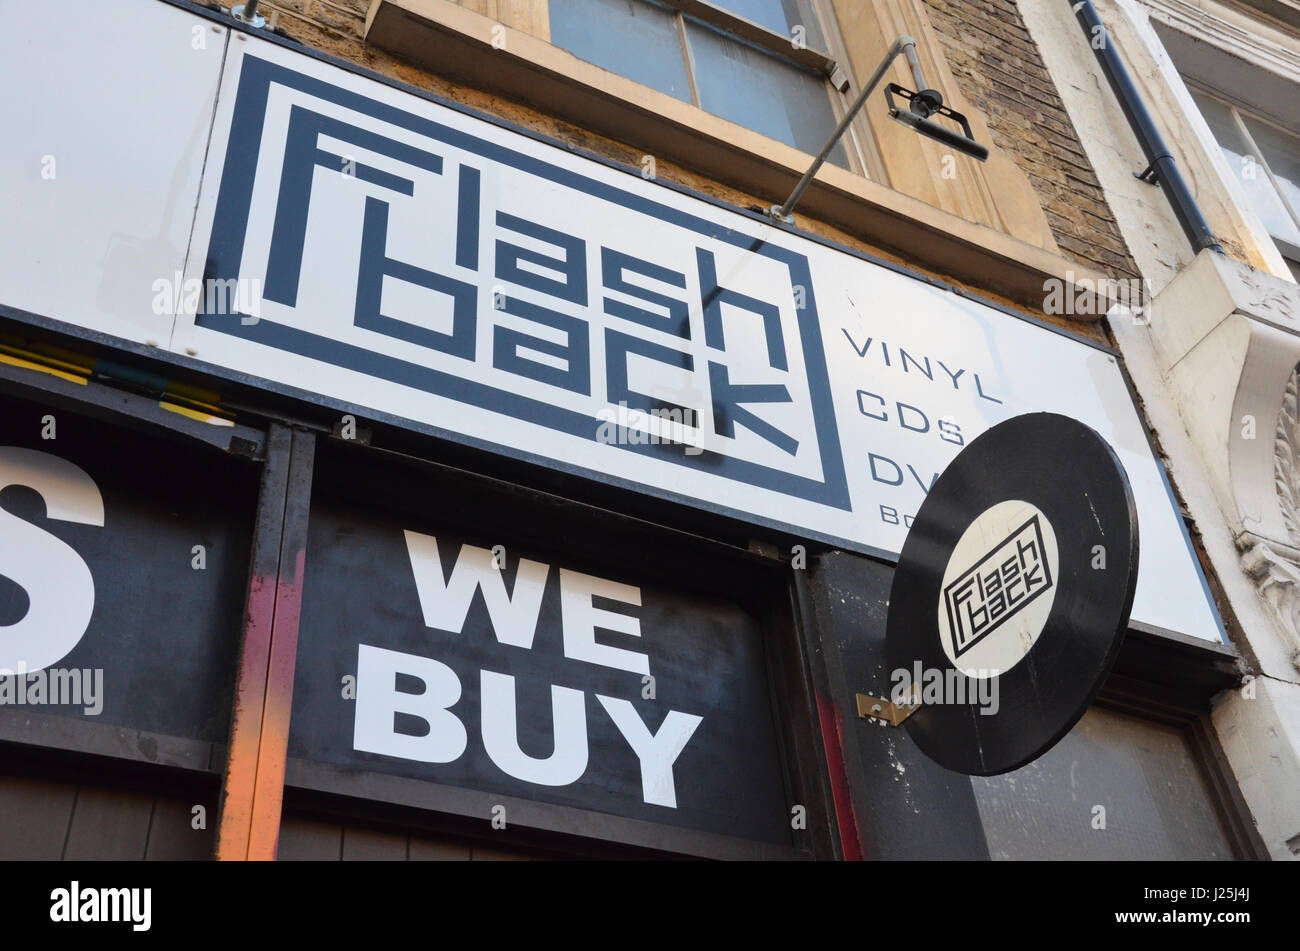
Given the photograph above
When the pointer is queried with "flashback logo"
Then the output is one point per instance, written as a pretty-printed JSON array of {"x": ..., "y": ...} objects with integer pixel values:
[
  {"x": 102, "y": 905},
  {"x": 998, "y": 588},
  {"x": 405, "y": 244},
  {"x": 1002, "y": 583}
]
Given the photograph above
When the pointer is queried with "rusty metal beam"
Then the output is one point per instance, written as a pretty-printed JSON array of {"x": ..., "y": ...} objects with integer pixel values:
[
  {"x": 268, "y": 795},
  {"x": 252, "y": 788}
]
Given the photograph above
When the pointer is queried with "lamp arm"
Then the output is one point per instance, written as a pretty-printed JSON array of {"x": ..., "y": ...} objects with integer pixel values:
[{"x": 904, "y": 44}]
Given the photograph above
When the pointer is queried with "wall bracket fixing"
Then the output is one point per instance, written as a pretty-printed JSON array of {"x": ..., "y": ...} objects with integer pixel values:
[
  {"x": 886, "y": 711},
  {"x": 1151, "y": 175}
]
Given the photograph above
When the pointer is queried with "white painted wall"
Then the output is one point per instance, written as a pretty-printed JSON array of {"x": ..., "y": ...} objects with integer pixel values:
[{"x": 1259, "y": 728}]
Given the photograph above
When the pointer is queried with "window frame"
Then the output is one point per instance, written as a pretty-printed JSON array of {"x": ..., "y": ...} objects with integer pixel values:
[
  {"x": 1290, "y": 251},
  {"x": 826, "y": 65},
  {"x": 770, "y": 40}
]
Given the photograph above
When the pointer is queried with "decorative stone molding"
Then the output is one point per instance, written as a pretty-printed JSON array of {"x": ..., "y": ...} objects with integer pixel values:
[
  {"x": 1228, "y": 341},
  {"x": 1275, "y": 572},
  {"x": 1286, "y": 458},
  {"x": 1274, "y": 568},
  {"x": 1232, "y": 31}
]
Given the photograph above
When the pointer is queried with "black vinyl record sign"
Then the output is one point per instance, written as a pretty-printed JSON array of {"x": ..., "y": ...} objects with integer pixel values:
[{"x": 1013, "y": 592}]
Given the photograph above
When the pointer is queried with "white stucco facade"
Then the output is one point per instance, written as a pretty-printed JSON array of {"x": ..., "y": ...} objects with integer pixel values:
[{"x": 1215, "y": 357}]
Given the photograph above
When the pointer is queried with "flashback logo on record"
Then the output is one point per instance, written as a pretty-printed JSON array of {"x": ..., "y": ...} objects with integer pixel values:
[
  {"x": 1004, "y": 581},
  {"x": 992, "y": 609}
]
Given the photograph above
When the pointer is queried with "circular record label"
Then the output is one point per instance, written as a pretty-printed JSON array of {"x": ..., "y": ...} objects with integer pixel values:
[{"x": 1012, "y": 593}]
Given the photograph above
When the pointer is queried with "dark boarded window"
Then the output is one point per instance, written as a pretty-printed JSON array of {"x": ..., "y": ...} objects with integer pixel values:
[
  {"x": 123, "y": 573},
  {"x": 1143, "y": 774},
  {"x": 468, "y": 656}
]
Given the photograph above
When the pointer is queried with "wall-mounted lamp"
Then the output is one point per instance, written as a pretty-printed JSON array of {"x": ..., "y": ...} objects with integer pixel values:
[
  {"x": 922, "y": 104},
  {"x": 926, "y": 103}
]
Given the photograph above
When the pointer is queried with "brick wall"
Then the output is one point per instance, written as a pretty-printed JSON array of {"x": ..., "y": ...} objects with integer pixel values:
[
  {"x": 344, "y": 19},
  {"x": 1001, "y": 74}
]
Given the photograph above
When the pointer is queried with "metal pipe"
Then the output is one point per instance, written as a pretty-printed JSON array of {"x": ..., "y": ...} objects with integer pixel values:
[
  {"x": 904, "y": 44},
  {"x": 1161, "y": 164},
  {"x": 247, "y": 13},
  {"x": 909, "y": 50}
]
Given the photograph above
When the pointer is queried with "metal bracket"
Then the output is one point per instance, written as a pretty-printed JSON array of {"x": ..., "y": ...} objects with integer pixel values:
[
  {"x": 246, "y": 13},
  {"x": 777, "y": 213},
  {"x": 874, "y": 708},
  {"x": 1148, "y": 175}
]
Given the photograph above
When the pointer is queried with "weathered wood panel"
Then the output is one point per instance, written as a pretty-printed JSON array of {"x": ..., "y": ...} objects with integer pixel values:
[
  {"x": 52, "y": 819},
  {"x": 109, "y": 824},
  {"x": 34, "y": 817},
  {"x": 304, "y": 838}
]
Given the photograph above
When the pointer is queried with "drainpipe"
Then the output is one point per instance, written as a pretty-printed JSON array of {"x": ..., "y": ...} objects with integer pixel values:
[{"x": 1161, "y": 167}]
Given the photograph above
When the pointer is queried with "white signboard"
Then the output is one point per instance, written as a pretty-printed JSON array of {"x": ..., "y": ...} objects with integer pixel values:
[{"x": 397, "y": 256}]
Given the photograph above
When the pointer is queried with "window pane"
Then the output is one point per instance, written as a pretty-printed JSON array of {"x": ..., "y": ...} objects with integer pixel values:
[
  {"x": 1282, "y": 153},
  {"x": 779, "y": 16},
  {"x": 1143, "y": 774},
  {"x": 1260, "y": 191},
  {"x": 633, "y": 38},
  {"x": 762, "y": 92}
]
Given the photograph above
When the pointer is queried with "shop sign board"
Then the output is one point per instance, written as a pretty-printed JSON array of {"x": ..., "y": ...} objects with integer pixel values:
[{"x": 370, "y": 248}]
